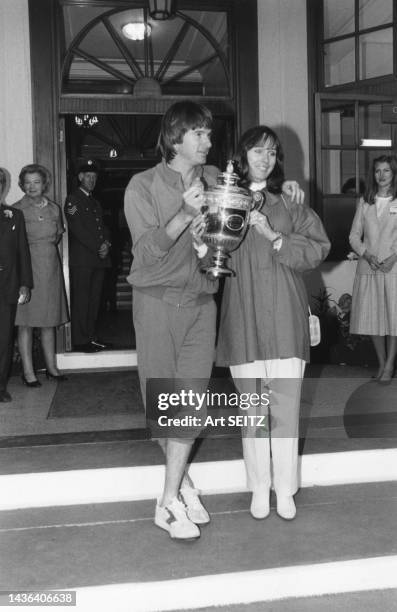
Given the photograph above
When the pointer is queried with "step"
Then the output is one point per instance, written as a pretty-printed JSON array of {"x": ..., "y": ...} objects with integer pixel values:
[
  {"x": 341, "y": 541},
  {"x": 381, "y": 600},
  {"x": 144, "y": 481}
]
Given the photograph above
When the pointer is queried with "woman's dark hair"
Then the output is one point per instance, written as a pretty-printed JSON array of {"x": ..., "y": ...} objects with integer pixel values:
[
  {"x": 35, "y": 169},
  {"x": 257, "y": 136},
  {"x": 349, "y": 186},
  {"x": 179, "y": 119},
  {"x": 372, "y": 186}
]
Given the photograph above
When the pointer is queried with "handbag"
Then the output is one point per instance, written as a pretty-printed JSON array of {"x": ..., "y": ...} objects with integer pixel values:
[{"x": 314, "y": 329}]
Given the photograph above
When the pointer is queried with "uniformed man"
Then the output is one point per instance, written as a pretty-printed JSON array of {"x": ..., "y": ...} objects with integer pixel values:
[{"x": 88, "y": 258}]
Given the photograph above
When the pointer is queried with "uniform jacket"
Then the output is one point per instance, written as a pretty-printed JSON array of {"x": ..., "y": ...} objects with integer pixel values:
[
  {"x": 162, "y": 267},
  {"x": 264, "y": 311},
  {"x": 377, "y": 235},
  {"x": 15, "y": 264},
  {"x": 86, "y": 230}
]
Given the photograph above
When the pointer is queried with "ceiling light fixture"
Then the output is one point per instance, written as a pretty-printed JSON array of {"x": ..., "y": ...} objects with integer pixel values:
[
  {"x": 86, "y": 121},
  {"x": 161, "y": 9},
  {"x": 136, "y": 30},
  {"x": 375, "y": 142}
]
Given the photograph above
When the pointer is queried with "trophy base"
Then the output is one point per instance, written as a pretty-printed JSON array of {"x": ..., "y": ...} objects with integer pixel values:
[{"x": 218, "y": 267}]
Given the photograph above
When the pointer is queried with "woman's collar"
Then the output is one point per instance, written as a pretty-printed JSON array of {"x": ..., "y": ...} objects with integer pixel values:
[{"x": 255, "y": 186}]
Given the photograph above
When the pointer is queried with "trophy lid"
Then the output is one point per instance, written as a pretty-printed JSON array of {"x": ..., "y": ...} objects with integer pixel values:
[
  {"x": 228, "y": 181},
  {"x": 229, "y": 177}
]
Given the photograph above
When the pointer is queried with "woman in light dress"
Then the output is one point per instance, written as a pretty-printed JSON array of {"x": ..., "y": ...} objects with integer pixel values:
[
  {"x": 47, "y": 308},
  {"x": 373, "y": 237}
]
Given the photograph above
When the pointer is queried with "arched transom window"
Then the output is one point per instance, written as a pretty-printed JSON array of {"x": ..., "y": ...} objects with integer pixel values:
[{"x": 186, "y": 55}]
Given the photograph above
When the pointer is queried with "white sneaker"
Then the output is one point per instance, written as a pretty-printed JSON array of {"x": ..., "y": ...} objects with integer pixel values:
[
  {"x": 194, "y": 508},
  {"x": 173, "y": 519},
  {"x": 260, "y": 503},
  {"x": 286, "y": 507}
]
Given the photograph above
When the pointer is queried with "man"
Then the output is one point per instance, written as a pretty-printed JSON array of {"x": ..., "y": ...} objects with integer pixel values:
[
  {"x": 88, "y": 258},
  {"x": 16, "y": 280},
  {"x": 173, "y": 306}
]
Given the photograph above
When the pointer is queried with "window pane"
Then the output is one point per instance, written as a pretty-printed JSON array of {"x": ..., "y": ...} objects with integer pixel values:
[
  {"x": 376, "y": 54},
  {"x": 339, "y": 62},
  {"x": 76, "y": 18},
  {"x": 375, "y": 13},
  {"x": 370, "y": 123},
  {"x": 337, "y": 123},
  {"x": 338, "y": 17},
  {"x": 338, "y": 167},
  {"x": 196, "y": 48}
]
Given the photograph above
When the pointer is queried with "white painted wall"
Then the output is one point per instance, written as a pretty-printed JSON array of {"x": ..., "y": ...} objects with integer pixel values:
[
  {"x": 335, "y": 277},
  {"x": 16, "y": 129},
  {"x": 283, "y": 81}
]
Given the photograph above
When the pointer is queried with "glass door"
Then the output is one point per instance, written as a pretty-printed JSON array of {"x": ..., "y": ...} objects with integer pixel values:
[{"x": 351, "y": 131}]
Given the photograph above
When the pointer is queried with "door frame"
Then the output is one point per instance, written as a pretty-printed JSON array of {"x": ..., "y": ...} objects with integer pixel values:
[{"x": 49, "y": 107}]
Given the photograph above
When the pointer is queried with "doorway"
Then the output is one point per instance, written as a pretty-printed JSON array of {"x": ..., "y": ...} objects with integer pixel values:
[
  {"x": 208, "y": 52},
  {"x": 121, "y": 145}
]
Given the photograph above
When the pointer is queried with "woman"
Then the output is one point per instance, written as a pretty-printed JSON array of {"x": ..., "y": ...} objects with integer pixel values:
[
  {"x": 47, "y": 307},
  {"x": 264, "y": 334},
  {"x": 373, "y": 237}
]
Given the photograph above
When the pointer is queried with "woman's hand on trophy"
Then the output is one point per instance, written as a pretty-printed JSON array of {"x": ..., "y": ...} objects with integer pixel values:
[
  {"x": 193, "y": 198},
  {"x": 293, "y": 190},
  {"x": 262, "y": 225}
]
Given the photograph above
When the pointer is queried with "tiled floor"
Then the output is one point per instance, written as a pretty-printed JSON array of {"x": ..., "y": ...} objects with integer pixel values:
[
  {"x": 331, "y": 417},
  {"x": 27, "y": 413}
]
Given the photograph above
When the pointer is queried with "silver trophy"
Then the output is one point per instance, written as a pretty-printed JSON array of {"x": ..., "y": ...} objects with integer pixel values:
[{"x": 226, "y": 213}]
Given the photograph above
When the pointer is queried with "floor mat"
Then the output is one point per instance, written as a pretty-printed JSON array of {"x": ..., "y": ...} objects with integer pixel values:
[{"x": 97, "y": 394}]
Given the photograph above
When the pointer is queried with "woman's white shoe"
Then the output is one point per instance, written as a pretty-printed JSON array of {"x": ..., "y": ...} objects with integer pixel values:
[
  {"x": 260, "y": 503},
  {"x": 286, "y": 507}
]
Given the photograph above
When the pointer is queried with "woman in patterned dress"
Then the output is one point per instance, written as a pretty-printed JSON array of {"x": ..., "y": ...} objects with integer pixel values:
[
  {"x": 47, "y": 308},
  {"x": 373, "y": 237}
]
